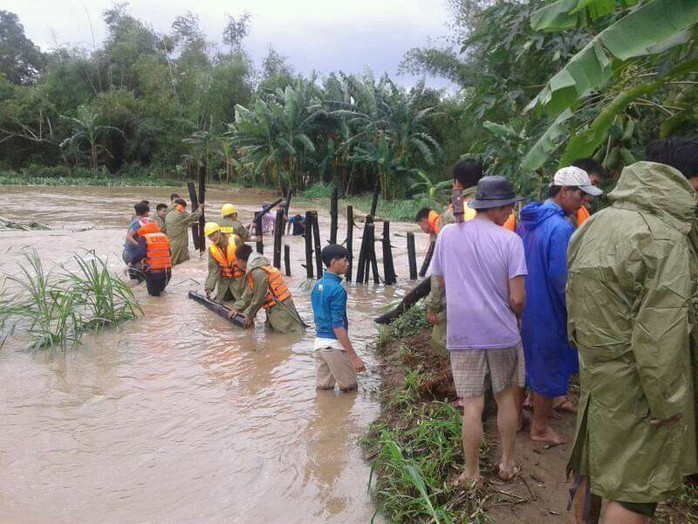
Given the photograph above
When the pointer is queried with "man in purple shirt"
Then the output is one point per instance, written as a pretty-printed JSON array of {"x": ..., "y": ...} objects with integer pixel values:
[{"x": 482, "y": 267}]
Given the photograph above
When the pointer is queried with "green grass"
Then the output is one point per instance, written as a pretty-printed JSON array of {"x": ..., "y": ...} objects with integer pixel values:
[{"x": 53, "y": 309}]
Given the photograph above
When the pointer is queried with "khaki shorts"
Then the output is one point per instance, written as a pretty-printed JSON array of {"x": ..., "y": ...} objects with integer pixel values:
[
  {"x": 333, "y": 366},
  {"x": 472, "y": 367}
]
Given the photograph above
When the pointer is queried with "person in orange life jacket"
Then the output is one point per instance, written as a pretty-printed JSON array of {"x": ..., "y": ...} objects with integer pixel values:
[
  {"x": 265, "y": 288},
  {"x": 134, "y": 246},
  {"x": 224, "y": 273},
  {"x": 597, "y": 175},
  {"x": 428, "y": 220},
  {"x": 156, "y": 266}
]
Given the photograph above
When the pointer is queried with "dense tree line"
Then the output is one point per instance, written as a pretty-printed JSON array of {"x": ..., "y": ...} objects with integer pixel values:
[{"x": 538, "y": 83}]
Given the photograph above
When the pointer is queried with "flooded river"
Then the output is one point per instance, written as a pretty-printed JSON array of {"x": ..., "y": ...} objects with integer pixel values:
[{"x": 178, "y": 416}]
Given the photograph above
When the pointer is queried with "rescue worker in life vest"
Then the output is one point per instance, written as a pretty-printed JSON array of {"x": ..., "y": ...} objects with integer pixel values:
[
  {"x": 265, "y": 289},
  {"x": 224, "y": 274},
  {"x": 230, "y": 224},
  {"x": 157, "y": 264}
]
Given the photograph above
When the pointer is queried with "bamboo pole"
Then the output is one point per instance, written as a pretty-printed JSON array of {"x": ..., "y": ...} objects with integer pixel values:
[
  {"x": 278, "y": 232},
  {"x": 350, "y": 240},
  {"x": 202, "y": 199},
  {"x": 194, "y": 206},
  {"x": 318, "y": 249},
  {"x": 388, "y": 266},
  {"x": 287, "y": 259},
  {"x": 334, "y": 215}
]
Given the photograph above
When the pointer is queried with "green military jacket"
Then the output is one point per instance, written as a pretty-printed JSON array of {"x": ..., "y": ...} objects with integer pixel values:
[
  {"x": 283, "y": 317},
  {"x": 632, "y": 274},
  {"x": 177, "y": 224},
  {"x": 226, "y": 288},
  {"x": 234, "y": 227}
]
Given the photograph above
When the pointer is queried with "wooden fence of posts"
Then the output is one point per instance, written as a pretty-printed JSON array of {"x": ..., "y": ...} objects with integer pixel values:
[
  {"x": 318, "y": 248},
  {"x": 309, "y": 244},
  {"x": 202, "y": 200},
  {"x": 334, "y": 216},
  {"x": 278, "y": 233},
  {"x": 195, "y": 233},
  {"x": 411, "y": 256},
  {"x": 350, "y": 241}
]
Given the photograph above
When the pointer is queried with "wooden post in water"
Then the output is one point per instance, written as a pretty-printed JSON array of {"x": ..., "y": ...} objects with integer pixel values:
[
  {"x": 278, "y": 232},
  {"x": 374, "y": 202},
  {"x": 260, "y": 235},
  {"x": 350, "y": 240},
  {"x": 287, "y": 259},
  {"x": 411, "y": 256},
  {"x": 361, "y": 269},
  {"x": 202, "y": 199},
  {"x": 427, "y": 259},
  {"x": 372, "y": 254},
  {"x": 309, "y": 244},
  {"x": 194, "y": 206},
  {"x": 388, "y": 265},
  {"x": 318, "y": 248},
  {"x": 334, "y": 216}
]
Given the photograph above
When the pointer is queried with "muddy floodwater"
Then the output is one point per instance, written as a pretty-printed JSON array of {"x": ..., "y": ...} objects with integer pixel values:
[{"x": 179, "y": 416}]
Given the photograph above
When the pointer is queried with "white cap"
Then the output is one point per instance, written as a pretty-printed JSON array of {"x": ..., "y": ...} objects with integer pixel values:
[{"x": 574, "y": 176}]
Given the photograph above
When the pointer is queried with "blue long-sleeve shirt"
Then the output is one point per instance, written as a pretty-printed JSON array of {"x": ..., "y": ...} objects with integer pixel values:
[{"x": 329, "y": 301}]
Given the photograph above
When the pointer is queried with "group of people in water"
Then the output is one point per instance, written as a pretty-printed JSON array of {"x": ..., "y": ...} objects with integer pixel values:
[{"x": 525, "y": 300}]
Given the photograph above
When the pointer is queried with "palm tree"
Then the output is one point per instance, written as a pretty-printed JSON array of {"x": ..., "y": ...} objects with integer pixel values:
[{"x": 86, "y": 130}]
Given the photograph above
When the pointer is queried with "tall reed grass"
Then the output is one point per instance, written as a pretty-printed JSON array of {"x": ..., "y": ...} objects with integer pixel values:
[{"x": 53, "y": 309}]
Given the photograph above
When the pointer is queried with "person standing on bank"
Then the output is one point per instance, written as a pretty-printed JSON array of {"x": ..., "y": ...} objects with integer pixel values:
[
  {"x": 550, "y": 361},
  {"x": 265, "y": 288},
  {"x": 631, "y": 298},
  {"x": 336, "y": 362},
  {"x": 482, "y": 267},
  {"x": 177, "y": 223}
]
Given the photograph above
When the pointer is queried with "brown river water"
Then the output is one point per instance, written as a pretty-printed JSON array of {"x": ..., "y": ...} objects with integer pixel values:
[{"x": 179, "y": 416}]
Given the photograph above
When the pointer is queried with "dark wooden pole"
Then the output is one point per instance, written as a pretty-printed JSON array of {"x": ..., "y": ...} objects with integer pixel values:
[
  {"x": 194, "y": 206},
  {"x": 202, "y": 199},
  {"x": 309, "y": 244},
  {"x": 278, "y": 232},
  {"x": 427, "y": 259},
  {"x": 350, "y": 240},
  {"x": 372, "y": 253},
  {"x": 411, "y": 256},
  {"x": 287, "y": 210},
  {"x": 360, "y": 272},
  {"x": 318, "y": 248},
  {"x": 287, "y": 259},
  {"x": 374, "y": 202},
  {"x": 334, "y": 216},
  {"x": 260, "y": 235},
  {"x": 388, "y": 266}
]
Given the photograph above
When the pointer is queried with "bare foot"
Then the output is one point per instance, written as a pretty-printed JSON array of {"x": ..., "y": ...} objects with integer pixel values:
[
  {"x": 508, "y": 473},
  {"x": 564, "y": 404},
  {"x": 468, "y": 482},
  {"x": 548, "y": 435}
]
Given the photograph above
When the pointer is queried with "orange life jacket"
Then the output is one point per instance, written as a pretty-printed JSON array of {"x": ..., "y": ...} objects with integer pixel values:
[
  {"x": 148, "y": 227},
  {"x": 433, "y": 220},
  {"x": 277, "y": 291},
  {"x": 469, "y": 214},
  {"x": 158, "y": 251},
  {"x": 582, "y": 215},
  {"x": 227, "y": 261}
]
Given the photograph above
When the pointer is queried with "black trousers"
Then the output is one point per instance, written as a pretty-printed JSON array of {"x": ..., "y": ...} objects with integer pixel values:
[{"x": 157, "y": 281}]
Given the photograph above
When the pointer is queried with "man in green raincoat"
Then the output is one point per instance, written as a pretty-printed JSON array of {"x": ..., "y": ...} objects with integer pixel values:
[
  {"x": 265, "y": 289},
  {"x": 177, "y": 223},
  {"x": 230, "y": 224},
  {"x": 632, "y": 276}
]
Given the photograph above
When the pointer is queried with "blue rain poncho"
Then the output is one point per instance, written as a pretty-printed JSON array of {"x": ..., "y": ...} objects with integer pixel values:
[{"x": 550, "y": 360}]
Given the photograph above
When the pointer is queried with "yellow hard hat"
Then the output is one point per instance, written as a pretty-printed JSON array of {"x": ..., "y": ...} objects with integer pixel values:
[
  {"x": 227, "y": 209},
  {"x": 210, "y": 228}
]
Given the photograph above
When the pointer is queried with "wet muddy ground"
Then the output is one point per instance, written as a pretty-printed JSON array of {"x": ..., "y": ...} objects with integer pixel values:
[{"x": 179, "y": 415}]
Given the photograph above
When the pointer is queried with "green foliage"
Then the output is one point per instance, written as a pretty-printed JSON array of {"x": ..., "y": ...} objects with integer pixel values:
[
  {"x": 409, "y": 323},
  {"x": 318, "y": 190},
  {"x": 54, "y": 309}
]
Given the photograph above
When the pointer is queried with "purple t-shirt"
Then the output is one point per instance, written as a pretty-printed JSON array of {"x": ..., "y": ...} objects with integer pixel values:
[{"x": 477, "y": 259}]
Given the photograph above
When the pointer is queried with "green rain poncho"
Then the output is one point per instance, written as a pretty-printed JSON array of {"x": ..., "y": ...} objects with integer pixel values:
[
  {"x": 234, "y": 227},
  {"x": 632, "y": 276},
  {"x": 177, "y": 223},
  {"x": 283, "y": 317}
]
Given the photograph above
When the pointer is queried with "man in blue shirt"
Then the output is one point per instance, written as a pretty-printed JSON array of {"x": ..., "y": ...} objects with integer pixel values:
[
  {"x": 336, "y": 362},
  {"x": 546, "y": 232}
]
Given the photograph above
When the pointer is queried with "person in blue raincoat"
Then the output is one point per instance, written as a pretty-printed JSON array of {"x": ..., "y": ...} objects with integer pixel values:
[{"x": 546, "y": 232}]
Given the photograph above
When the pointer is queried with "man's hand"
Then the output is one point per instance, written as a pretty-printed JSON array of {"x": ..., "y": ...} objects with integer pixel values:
[
  {"x": 249, "y": 322},
  {"x": 666, "y": 422},
  {"x": 208, "y": 293},
  {"x": 433, "y": 318},
  {"x": 357, "y": 364},
  {"x": 232, "y": 313}
]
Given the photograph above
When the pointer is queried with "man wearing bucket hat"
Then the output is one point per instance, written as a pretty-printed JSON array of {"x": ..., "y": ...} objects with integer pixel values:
[
  {"x": 546, "y": 232},
  {"x": 483, "y": 267}
]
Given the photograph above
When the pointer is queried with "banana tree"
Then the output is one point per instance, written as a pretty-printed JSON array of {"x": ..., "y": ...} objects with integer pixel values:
[{"x": 87, "y": 130}]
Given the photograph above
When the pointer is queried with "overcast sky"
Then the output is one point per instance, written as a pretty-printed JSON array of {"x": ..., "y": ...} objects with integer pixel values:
[{"x": 324, "y": 36}]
